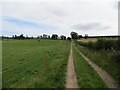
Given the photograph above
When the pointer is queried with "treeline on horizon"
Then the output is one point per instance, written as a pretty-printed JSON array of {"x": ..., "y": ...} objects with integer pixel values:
[
  {"x": 74, "y": 36},
  {"x": 45, "y": 36},
  {"x": 103, "y": 43},
  {"x": 111, "y": 43}
]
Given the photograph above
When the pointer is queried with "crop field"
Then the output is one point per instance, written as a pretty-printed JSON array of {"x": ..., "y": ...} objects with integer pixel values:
[{"x": 34, "y": 64}]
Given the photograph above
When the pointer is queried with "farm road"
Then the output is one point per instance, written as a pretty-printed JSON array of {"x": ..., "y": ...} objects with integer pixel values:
[
  {"x": 102, "y": 73},
  {"x": 71, "y": 79}
]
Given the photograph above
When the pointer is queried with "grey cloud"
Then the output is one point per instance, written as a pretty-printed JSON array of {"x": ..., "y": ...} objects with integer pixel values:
[
  {"x": 56, "y": 11},
  {"x": 90, "y": 26},
  {"x": 118, "y": 5}
]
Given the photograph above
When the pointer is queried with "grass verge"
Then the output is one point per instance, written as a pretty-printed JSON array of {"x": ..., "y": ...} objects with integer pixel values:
[
  {"x": 103, "y": 59},
  {"x": 87, "y": 76}
]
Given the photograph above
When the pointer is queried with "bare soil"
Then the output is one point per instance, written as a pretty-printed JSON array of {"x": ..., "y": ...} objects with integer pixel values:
[{"x": 71, "y": 79}]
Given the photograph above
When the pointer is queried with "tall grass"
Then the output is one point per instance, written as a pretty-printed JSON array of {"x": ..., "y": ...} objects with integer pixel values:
[
  {"x": 86, "y": 75},
  {"x": 105, "y": 53}
]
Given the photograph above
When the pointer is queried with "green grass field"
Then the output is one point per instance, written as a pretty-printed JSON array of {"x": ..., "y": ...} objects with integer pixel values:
[
  {"x": 33, "y": 64},
  {"x": 86, "y": 75},
  {"x": 43, "y": 64}
]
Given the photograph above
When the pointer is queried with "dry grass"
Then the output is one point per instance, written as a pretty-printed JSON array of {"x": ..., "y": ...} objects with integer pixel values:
[{"x": 88, "y": 39}]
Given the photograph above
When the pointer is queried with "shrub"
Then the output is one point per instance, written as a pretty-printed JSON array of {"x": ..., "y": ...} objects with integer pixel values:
[
  {"x": 116, "y": 57},
  {"x": 118, "y": 44},
  {"x": 102, "y": 44}
]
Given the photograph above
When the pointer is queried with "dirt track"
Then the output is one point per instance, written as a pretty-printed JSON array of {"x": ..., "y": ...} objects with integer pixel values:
[{"x": 71, "y": 79}]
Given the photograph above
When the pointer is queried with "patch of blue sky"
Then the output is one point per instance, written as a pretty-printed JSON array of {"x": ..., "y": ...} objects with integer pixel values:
[
  {"x": 28, "y": 24},
  {"x": 9, "y": 33}
]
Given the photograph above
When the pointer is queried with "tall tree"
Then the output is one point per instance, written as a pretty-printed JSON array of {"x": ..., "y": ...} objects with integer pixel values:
[
  {"x": 86, "y": 36},
  {"x": 68, "y": 38},
  {"x": 21, "y": 36},
  {"x": 54, "y": 36},
  {"x": 74, "y": 35},
  {"x": 79, "y": 36},
  {"x": 63, "y": 37}
]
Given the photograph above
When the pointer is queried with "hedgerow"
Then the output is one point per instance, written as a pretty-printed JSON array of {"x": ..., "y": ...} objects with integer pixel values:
[
  {"x": 105, "y": 44},
  {"x": 102, "y": 44}
]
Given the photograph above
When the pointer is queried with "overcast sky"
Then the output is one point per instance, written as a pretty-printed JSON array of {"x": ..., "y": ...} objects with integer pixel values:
[{"x": 33, "y": 17}]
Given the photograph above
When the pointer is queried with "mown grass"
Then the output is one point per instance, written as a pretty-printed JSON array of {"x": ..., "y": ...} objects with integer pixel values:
[
  {"x": 103, "y": 59},
  {"x": 33, "y": 64},
  {"x": 87, "y": 76}
]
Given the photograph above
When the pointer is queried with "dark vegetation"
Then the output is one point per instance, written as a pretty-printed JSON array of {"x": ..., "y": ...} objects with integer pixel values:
[
  {"x": 105, "y": 44},
  {"x": 54, "y": 36},
  {"x": 102, "y": 44},
  {"x": 63, "y": 37},
  {"x": 74, "y": 35},
  {"x": 45, "y": 36},
  {"x": 69, "y": 38}
]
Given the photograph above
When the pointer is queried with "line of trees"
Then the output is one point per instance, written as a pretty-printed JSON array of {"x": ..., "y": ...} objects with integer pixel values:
[
  {"x": 105, "y": 44},
  {"x": 45, "y": 36},
  {"x": 75, "y": 35},
  {"x": 18, "y": 37}
]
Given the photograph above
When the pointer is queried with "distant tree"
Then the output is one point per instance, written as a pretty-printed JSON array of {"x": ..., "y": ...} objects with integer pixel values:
[
  {"x": 45, "y": 36},
  {"x": 2, "y": 37},
  {"x": 38, "y": 37},
  {"x": 79, "y": 36},
  {"x": 21, "y": 37},
  {"x": 86, "y": 36},
  {"x": 74, "y": 35},
  {"x": 13, "y": 37},
  {"x": 63, "y": 37},
  {"x": 27, "y": 37},
  {"x": 68, "y": 38},
  {"x": 54, "y": 36}
]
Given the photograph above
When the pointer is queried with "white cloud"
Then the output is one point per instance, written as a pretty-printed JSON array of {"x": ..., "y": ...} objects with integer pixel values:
[
  {"x": 62, "y": 14},
  {"x": 90, "y": 26}
]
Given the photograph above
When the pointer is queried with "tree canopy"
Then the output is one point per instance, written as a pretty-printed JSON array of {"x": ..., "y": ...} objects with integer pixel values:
[
  {"x": 74, "y": 35},
  {"x": 54, "y": 36}
]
